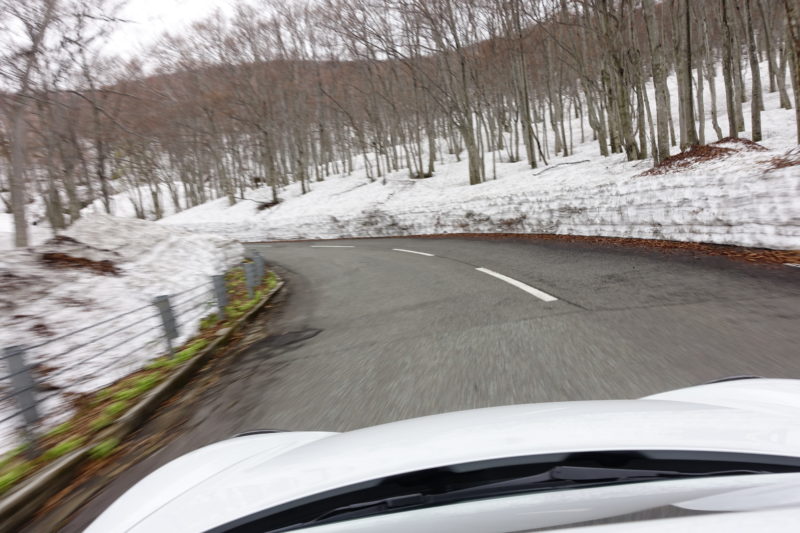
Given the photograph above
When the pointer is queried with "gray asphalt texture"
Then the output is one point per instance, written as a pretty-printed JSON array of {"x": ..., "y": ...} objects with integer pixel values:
[{"x": 368, "y": 335}]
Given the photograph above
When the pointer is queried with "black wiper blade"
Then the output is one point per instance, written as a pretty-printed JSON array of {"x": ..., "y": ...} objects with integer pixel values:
[
  {"x": 558, "y": 477},
  {"x": 566, "y": 476},
  {"x": 589, "y": 473},
  {"x": 361, "y": 509}
]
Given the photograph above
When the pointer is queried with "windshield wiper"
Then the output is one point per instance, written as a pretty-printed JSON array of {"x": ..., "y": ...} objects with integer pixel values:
[
  {"x": 370, "y": 508},
  {"x": 556, "y": 478},
  {"x": 579, "y": 476}
]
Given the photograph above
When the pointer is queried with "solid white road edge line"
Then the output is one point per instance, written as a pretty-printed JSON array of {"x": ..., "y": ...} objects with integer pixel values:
[
  {"x": 412, "y": 252},
  {"x": 795, "y": 265},
  {"x": 518, "y": 284},
  {"x": 329, "y": 246}
]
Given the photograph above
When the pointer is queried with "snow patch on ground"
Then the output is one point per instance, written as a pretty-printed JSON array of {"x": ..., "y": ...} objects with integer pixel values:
[{"x": 42, "y": 305}]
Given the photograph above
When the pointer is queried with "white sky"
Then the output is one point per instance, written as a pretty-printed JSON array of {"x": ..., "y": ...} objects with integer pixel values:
[{"x": 150, "y": 18}]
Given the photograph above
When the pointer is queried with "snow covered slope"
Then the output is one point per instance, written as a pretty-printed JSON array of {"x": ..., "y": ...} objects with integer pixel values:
[
  {"x": 42, "y": 300},
  {"x": 171, "y": 199},
  {"x": 739, "y": 197}
]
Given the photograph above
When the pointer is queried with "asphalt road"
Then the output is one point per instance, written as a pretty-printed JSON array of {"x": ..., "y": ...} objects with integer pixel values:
[{"x": 368, "y": 335}]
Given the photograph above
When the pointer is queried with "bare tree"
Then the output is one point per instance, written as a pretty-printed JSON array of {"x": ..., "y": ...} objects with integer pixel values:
[
  {"x": 26, "y": 26},
  {"x": 659, "y": 69},
  {"x": 755, "y": 73},
  {"x": 793, "y": 18},
  {"x": 727, "y": 70}
]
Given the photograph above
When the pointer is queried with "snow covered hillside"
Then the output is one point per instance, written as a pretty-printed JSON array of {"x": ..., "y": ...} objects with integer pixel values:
[
  {"x": 736, "y": 199},
  {"x": 100, "y": 268},
  {"x": 742, "y": 195}
]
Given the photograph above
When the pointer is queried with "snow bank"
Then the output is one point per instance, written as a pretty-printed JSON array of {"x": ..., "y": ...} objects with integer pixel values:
[
  {"x": 43, "y": 303},
  {"x": 738, "y": 199}
]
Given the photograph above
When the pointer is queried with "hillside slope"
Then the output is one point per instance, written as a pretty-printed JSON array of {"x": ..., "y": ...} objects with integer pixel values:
[{"x": 731, "y": 193}]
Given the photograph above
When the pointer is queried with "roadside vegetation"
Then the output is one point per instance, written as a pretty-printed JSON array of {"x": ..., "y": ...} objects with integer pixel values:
[{"x": 96, "y": 412}]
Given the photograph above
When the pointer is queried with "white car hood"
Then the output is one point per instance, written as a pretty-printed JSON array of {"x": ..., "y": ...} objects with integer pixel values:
[
  {"x": 235, "y": 478},
  {"x": 773, "y": 521},
  {"x": 191, "y": 472}
]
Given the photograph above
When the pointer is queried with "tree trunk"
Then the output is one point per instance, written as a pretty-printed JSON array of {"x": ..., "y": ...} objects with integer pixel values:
[
  {"x": 710, "y": 71},
  {"x": 727, "y": 71},
  {"x": 784, "y": 53},
  {"x": 691, "y": 131},
  {"x": 738, "y": 77},
  {"x": 771, "y": 65},
  {"x": 756, "y": 101},
  {"x": 701, "y": 108},
  {"x": 793, "y": 19},
  {"x": 17, "y": 177},
  {"x": 474, "y": 161},
  {"x": 659, "y": 81}
]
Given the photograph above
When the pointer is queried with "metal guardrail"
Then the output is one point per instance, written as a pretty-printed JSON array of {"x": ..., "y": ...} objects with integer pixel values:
[{"x": 29, "y": 390}]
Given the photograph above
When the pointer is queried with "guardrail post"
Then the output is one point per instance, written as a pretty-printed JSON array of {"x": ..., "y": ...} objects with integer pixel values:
[
  {"x": 164, "y": 307},
  {"x": 250, "y": 278},
  {"x": 262, "y": 267},
  {"x": 24, "y": 387},
  {"x": 221, "y": 292},
  {"x": 259, "y": 262}
]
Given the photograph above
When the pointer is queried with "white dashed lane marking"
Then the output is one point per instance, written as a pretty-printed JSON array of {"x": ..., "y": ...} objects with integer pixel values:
[
  {"x": 329, "y": 246},
  {"x": 412, "y": 252},
  {"x": 518, "y": 284}
]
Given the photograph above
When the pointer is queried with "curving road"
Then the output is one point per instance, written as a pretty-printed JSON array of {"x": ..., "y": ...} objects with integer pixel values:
[{"x": 369, "y": 334}]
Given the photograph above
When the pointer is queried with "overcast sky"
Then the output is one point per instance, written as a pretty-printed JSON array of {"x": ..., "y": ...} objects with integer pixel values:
[{"x": 150, "y": 18}]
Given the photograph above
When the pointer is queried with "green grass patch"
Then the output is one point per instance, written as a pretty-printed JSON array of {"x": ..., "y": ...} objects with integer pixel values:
[
  {"x": 239, "y": 308},
  {"x": 116, "y": 408},
  {"x": 101, "y": 396},
  {"x": 236, "y": 310},
  {"x": 13, "y": 454},
  {"x": 148, "y": 381},
  {"x": 62, "y": 448},
  {"x": 101, "y": 422},
  {"x": 161, "y": 362},
  {"x": 235, "y": 277},
  {"x": 191, "y": 350},
  {"x": 125, "y": 394},
  {"x": 104, "y": 449},
  {"x": 181, "y": 357},
  {"x": 8, "y": 479},
  {"x": 59, "y": 429},
  {"x": 209, "y": 322},
  {"x": 248, "y": 304},
  {"x": 138, "y": 387},
  {"x": 233, "y": 312}
]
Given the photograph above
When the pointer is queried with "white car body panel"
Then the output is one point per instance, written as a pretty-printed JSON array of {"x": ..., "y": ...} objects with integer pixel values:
[
  {"x": 772, "y": 521},
  {"x": 189, "y": 471},
  {"x": 294, "y": 465},
  {"x": 772, "y": 396}
]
